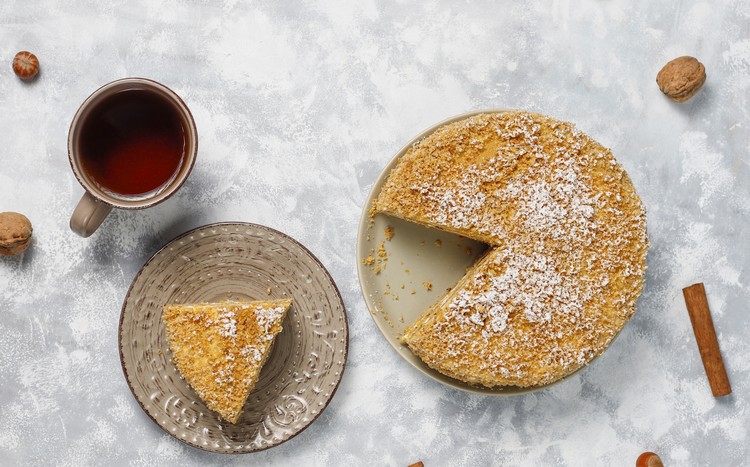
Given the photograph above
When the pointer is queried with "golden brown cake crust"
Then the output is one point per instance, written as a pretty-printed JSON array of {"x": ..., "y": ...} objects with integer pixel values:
[
  {"x": 568, "y": 237},
  {"x": 220, "y": 348}
]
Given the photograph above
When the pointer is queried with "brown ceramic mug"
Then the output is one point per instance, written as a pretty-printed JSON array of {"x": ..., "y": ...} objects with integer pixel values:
[{"x": 131, "y": 145}]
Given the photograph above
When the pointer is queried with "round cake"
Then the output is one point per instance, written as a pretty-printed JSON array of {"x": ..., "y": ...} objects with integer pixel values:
[{"x": 567, "y": 237}]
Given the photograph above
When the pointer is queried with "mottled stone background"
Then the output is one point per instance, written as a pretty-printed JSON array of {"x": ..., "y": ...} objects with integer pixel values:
[{"x": 299, "y": 105}]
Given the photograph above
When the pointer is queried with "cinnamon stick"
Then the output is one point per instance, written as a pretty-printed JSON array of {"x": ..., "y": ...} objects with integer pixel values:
[{"x": 705, "y": 334}]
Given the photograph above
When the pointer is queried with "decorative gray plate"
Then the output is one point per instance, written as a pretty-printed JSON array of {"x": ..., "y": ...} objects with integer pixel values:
[{"x": 236, "y": 261}]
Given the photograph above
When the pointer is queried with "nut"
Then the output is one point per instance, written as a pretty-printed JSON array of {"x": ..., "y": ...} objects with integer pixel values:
[
  {"x": 15, "y": 233},
  {"x": 681, "y": 78},
  {"x": 649, "y": 459},
  {"x": 25, "y": 65}
]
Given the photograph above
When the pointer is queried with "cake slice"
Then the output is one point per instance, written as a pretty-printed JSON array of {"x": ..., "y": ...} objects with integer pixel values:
[{"x": 220, "y": 348}]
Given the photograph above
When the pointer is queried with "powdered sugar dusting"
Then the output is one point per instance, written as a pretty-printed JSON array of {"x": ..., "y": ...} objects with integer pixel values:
[
  {"x": 227, "y": 324},
  {"x": 558, "y": 209},
  {"x": 268, "y": 316}
]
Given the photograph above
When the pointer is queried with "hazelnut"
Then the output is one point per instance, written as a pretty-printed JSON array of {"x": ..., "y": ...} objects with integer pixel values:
[
  {"x": 681, "y": 78},
  {"x": 649, "y": 459},
  {"x": 15, "y": 233},
  {"x": 25, "y": 65}
]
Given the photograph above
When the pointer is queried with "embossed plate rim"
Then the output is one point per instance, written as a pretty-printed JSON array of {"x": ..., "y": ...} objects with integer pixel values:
[{"x": 268, "y": 230}]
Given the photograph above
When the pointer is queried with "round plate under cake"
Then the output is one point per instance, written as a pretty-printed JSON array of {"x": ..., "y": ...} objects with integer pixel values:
[
  {"x": 567, "y": 245},
  {"x": 236, "y": 261}
]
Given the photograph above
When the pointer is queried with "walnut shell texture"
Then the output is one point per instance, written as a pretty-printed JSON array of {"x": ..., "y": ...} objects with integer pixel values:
[
  {"x": 681, "y": 78},
  {"x": 15, "y": 233}
]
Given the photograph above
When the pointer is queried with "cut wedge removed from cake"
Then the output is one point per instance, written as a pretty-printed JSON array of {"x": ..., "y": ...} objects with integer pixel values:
[
  {"x": 567, "y": 246},
  {"x": 220, "y": 348}
]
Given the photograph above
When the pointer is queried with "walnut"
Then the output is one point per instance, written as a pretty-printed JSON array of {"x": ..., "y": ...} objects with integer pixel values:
[
  {"x": 15, "y": 233},
  {"x": 681, "y": 78}
]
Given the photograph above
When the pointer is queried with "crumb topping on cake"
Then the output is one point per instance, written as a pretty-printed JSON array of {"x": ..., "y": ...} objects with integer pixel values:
[
  {"x": 568, "y": 239},
  {"x": 220, "y": 348}
]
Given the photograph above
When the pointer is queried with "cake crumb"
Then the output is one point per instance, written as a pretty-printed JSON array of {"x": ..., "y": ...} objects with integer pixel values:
[
  {"x": 377, "y": 258},
  {"x": 388, "y": 232},
  {"x": 468, "y": 251},
  {"x": 428, "y": 285},
  {"x": 438, "y": 243},
  {"x": 413, "y": 292},
  {"x": 387, "y": 319},
  {"x": 382, "y": 252},
  {"x": 268, "y": 291}
]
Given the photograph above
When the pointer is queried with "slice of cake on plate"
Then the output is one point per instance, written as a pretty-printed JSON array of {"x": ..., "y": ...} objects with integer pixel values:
[{"x": 220, "y": 348}]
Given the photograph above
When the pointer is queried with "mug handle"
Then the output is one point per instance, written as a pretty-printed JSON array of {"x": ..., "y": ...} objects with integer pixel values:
[{"x": 88, "y": 215}]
